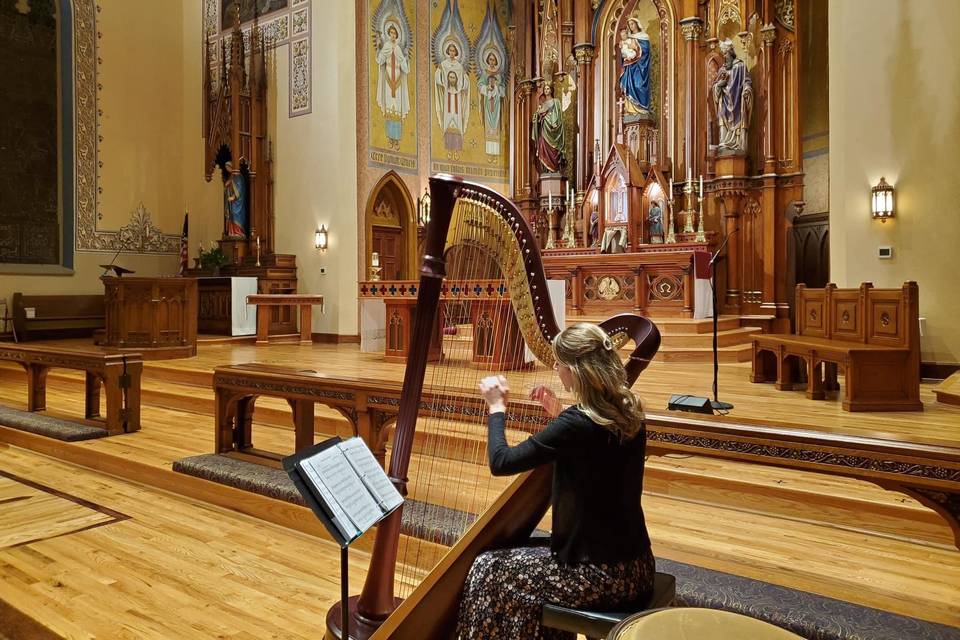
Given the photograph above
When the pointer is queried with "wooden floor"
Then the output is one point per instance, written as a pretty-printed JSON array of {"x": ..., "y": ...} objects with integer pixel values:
[{"x": 829, "y": 535}]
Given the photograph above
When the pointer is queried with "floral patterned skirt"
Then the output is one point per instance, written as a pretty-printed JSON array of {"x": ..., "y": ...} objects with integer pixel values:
[{"x": 505, "y": 591}]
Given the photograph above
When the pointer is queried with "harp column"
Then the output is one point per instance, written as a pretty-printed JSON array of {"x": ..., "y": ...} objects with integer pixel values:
[{"x": 691, "y": 28}]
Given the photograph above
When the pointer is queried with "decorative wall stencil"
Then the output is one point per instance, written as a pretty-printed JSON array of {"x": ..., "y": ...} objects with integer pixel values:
[
  {"x": 392, "y": 94},
  {"x": 282, "y": 22}
]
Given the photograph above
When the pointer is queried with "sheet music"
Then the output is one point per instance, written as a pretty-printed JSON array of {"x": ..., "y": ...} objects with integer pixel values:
[
  {"x": 343, "y": 482},
  {"x": 371, "y": 473},
  {"x": 344, "y": 524}
]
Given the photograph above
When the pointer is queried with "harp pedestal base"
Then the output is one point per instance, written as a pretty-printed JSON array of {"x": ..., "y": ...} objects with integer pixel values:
[{"x": 360, "y": 629}]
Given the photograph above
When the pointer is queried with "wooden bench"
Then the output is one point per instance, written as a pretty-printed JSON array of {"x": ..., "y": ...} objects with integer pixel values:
[
  {"x": 118, "y": 374},
  {"x": 57, "y": 316},
  {"x": 873, "y": 335}
]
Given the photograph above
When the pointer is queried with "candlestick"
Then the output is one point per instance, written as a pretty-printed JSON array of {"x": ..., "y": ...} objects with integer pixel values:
[
  {"x": 258, "y": 251},
  {"x": 670, "y": 193},
  {"x": 701, "y": 233}
]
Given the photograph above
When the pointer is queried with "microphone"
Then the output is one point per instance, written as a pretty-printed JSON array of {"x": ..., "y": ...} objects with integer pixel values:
[{"x": 716, "y": 256}]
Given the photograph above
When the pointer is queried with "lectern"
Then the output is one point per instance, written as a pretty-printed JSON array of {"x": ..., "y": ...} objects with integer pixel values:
[{"x": 156, "y": 317}]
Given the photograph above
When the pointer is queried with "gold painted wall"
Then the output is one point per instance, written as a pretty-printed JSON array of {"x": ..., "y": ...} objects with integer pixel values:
[
  {"x": 391, "y": 54},
  {"x": 895, "y": 112}
]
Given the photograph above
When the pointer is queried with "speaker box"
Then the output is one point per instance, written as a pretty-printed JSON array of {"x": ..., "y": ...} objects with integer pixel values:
[{"x": 694, "y": 404}]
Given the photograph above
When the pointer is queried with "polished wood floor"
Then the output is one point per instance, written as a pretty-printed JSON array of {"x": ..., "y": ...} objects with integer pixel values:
[{"x": 828, "y": 535}]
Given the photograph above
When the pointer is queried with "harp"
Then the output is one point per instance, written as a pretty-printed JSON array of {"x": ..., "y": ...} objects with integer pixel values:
[{"x": 471, "y": 216}]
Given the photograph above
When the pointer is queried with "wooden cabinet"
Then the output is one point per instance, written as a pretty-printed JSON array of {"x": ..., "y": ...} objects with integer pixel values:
[{"x": 153, "y": 316}]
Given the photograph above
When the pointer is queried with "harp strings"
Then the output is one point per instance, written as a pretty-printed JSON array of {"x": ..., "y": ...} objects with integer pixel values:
[{"x": 450, "y": 480}]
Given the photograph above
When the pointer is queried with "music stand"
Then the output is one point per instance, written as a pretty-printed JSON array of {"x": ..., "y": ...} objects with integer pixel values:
[{"x": 117, "y": 270}]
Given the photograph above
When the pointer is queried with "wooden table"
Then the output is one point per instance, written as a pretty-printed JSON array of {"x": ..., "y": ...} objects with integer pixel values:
[
  {"x": 691, "y": 622},
  {"x": 304, "y": 301}
]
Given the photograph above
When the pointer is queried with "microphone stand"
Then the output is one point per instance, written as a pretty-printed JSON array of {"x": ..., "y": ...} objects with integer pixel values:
[{"x": 717, "y": 257}]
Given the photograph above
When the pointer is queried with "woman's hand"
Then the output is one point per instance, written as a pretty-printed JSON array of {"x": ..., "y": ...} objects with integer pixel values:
[
  {"x": 495, "y": 390},
  {"x": 547, "y": 399}
]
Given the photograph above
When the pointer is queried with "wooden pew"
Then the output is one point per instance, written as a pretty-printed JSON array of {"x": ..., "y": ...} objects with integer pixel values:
[
  {"x": 931, "y": 474},
  {"x": 118, "y": 374},
  {"x": 57, "y": 316},
  {"x": 873, "y": 335}
]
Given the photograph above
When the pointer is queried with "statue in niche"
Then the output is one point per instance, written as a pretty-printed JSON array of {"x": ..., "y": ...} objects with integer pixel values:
[
  {"x": 655, "y": 220},
  {"x": 547, "y": 133},
  {"x": 635, "y": 78},
  {"x": 234, "y": 202},
  {"x": 733, "y": 97}
]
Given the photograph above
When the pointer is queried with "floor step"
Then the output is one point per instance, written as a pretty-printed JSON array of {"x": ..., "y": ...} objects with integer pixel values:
[
  {"x": 725, "y": 338},
  {"x": 674, "y": 325},
  {"x": 725, "y": 355}
]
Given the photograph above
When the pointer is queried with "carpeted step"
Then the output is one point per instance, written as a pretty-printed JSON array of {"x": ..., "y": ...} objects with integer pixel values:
[{"x": 49, "y": 426}]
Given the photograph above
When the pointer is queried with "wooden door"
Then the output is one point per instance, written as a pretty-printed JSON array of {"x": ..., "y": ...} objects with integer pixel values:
[{"x": 388, "y": 244}]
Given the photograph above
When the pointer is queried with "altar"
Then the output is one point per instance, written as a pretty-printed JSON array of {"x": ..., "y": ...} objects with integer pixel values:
[{"x": 223, "y": 308}]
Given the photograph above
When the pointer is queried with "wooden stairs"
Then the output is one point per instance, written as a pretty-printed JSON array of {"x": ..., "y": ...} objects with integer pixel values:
[{"x": 948, "y": 391}]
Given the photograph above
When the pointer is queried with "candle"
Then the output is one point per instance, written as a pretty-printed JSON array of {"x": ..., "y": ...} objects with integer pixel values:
[
  {"x": 701, "y": 186},
  {"x": 549, "y": 201},
  {"x": 258, "y": 242},
  {"x": 689, "y": 174},
  {"x": 670, "y": 193},
  {"x": 375, "y": 259}
]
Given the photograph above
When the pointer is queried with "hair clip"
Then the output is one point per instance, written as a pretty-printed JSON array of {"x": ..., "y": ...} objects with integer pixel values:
[{"x": 607, "y": 344}]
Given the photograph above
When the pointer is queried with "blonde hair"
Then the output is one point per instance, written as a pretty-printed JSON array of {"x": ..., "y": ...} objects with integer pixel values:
[{"x": 600, "y": 381}]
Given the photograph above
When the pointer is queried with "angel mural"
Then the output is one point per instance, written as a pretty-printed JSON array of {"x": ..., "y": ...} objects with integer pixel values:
[
  {"x": 393, "y": 42},
  {"x": 635, "y": 57},
  {"x": 451, "y": 55},
  {"x": 491, "y": 51}
]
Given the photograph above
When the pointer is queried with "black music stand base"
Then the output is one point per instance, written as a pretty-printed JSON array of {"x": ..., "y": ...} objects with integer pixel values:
[
  {"x": 718, "y": 405},
  {"x": 359, "y": 629}
]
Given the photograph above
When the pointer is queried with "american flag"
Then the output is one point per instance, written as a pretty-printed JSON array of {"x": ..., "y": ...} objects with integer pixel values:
[{"x": 184, "y": 251}]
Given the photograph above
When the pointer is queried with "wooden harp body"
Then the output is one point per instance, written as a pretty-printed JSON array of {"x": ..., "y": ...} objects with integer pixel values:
[{"x": 497, "y": 228}]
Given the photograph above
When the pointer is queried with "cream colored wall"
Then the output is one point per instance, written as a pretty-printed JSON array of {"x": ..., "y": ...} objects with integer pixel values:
[
  {"x": 315, "y": 168},
  {"x": 895, "y": 112},
  {"x": 150, "y": 126}
]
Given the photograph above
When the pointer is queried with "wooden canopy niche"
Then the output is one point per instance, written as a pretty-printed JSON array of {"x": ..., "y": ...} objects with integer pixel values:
[
  {"x": 390, "y": 222},
  {"x": 621, "y": 195}
]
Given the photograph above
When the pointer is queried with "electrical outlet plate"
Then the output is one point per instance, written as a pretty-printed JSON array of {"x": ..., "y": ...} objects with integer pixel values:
[
  {"x": 323, "y": 271},
  {"x": 885, "y": 253}
]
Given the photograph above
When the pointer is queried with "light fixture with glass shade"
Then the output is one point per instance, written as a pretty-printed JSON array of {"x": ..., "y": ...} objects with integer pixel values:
[
  {"x": 320, "y": 238},
  {"x": 881, "y": 201}
]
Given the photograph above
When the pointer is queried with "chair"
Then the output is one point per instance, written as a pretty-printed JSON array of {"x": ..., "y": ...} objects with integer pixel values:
[{"x": 597, "y": 624}]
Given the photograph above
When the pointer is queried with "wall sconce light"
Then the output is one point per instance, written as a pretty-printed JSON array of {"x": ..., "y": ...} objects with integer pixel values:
[
  {"x": 320, "y": 238},
  {"x": 423, "y": 208},
  {"x": 881, "y": 202}
]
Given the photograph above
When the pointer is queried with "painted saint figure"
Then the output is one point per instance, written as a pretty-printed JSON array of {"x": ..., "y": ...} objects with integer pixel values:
[
  {"x": 635, "y": 56},
  {"x": 733, "y": 97},
  {"x": 492, "y": 93},
  {"x": 234, "y": 202},
  {"x": 655, "y": 220},
  {"x": 392, "y": 94},
  {"x": 547, "y": 133},
  {"x": 452, "y": 98}
]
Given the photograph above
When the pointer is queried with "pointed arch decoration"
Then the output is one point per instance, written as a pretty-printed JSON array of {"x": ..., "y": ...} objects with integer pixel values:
[{"x": 390, "y": 201}]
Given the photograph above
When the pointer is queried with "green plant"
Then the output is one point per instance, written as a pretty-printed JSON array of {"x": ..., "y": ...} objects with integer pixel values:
[{"x": 213, "y": 258}]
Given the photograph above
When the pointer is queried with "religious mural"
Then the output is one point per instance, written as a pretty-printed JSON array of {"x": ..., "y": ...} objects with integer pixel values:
[
  {"x": 393, "y": 84},
  {"x": 468, "y": 86}
]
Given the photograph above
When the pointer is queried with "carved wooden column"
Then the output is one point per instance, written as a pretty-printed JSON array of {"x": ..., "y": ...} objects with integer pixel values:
[
  {"x": 731, "y": 219},
  {"x": 524, "y": 178},
  {"x": 566, "y": 32},
  {"x": 584, "y": 53},
  {"x": 691, "y": 29},
  {"x": 769, "y": 34}
]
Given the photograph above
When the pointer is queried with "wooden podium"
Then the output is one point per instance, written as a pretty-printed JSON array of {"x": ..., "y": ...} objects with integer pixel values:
[{"x": 156, "y": 317}]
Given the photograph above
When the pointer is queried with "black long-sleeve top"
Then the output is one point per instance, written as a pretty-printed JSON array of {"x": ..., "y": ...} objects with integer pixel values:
[{"x": 597, "y": 483}]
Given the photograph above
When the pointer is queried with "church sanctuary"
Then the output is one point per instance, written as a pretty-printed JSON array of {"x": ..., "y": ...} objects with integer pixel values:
[{"x": 479, "y": 319}]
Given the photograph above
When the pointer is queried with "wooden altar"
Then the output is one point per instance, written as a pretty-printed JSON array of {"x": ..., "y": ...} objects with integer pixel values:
[{"x": 156, "y": 317}]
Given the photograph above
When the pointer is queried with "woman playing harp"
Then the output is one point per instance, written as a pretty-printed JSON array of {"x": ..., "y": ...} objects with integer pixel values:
[{"x": 599, "y": 554}]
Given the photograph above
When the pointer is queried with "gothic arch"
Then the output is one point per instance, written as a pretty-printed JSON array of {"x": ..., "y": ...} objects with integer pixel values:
[{"x": 390, "y": 205}]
